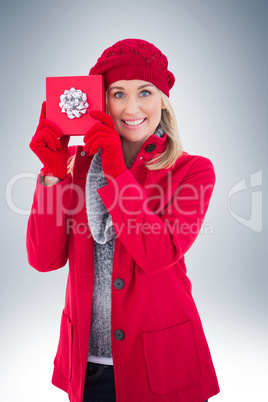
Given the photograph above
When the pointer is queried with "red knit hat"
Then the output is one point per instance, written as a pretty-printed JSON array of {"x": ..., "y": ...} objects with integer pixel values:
[{"x": 131, "y": 59}]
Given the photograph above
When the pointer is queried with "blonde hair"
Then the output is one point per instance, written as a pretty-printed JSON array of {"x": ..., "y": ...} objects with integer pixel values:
[
  {"x": 70, "y": 165},
  {"x": 174, "y": 147}
]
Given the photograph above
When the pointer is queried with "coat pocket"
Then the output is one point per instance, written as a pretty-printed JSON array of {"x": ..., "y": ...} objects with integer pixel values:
[
  {"x": 172, "y": 358},
  {"x": 63, "y": 359}
]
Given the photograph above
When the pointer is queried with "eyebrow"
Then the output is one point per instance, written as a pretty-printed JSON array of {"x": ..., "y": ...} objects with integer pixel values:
[{"x": 142, "y": 86}]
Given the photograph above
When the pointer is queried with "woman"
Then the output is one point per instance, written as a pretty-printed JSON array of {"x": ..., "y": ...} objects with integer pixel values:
[{"x": 124, "y": 213}]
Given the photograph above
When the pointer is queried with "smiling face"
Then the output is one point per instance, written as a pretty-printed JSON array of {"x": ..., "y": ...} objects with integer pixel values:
[{"x": 135, "y": 107}]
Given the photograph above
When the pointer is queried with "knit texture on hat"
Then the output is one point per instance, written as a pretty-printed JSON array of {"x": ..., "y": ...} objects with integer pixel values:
[{"x": 132, "y": 59}]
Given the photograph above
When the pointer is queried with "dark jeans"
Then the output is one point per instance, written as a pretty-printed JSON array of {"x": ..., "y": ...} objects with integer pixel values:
[{"x": 99, "y": 383}]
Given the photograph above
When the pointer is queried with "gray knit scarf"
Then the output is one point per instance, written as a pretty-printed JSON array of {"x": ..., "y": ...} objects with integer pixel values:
[{"x": 99, "y": 219}]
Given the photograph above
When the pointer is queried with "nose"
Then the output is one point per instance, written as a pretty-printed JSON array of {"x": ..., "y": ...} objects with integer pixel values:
[{"x": 132, "y": 106}]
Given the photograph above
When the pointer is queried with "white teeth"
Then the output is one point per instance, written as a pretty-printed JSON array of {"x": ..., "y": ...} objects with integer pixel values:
[{"x": 134, "y": 122}]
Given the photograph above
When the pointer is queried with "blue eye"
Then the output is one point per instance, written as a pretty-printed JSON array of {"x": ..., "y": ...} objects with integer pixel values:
[
  {"x": 119, "y": 95},
  {"x": 145, "y": 93}
]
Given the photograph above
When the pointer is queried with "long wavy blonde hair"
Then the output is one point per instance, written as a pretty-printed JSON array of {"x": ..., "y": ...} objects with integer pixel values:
[{"x": 174, "y": 147}]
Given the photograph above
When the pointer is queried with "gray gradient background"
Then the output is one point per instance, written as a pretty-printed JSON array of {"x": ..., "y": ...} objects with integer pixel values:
[{"x": 217, "y": 51}]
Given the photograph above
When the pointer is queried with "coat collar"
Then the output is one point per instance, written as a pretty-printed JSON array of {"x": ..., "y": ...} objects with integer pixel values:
[{"x": 153, "y": 145}]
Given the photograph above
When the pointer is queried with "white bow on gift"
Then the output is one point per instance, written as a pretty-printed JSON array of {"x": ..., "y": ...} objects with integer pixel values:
[{"x": 74, "y": 103}]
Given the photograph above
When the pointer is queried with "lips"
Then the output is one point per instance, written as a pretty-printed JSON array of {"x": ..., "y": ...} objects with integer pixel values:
[{"x": 134, "y": 122}]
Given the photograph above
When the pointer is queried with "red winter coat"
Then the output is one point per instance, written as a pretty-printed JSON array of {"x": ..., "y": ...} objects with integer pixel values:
[{"x": 162, "y": 354}]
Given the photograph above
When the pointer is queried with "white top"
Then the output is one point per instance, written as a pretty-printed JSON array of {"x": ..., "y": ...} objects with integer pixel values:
[{"x": 100, "y": 360}]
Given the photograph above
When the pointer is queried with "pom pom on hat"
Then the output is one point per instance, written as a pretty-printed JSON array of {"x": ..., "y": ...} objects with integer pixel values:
[{"x": 131, "y": 59}]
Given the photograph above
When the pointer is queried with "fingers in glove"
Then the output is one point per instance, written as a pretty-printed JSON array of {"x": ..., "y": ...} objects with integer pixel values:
[
  {"x": 47, "y": 124},
  {"x": 103, "y": 117},
  {"x": 98, "y": 128},
  {"x": 43, "y": 111},
  {"x": 101, "y": 137},
  {"x": 93, "y": 147},
  {"x": 45, "y": 138}
]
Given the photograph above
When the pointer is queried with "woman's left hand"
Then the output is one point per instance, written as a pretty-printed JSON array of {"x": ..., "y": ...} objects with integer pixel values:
[{"x": 104, "y": 135}]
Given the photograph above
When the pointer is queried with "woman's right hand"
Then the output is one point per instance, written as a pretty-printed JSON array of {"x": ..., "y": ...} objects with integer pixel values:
[{"x": 51, "y": 147}]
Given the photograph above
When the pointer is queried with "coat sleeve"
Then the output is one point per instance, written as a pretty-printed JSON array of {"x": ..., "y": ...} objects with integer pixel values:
[
  {"x": 157, "y": 241},
  {"x": 47, "y": 237}
]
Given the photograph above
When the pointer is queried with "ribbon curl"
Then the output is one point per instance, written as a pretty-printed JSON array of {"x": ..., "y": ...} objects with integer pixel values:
[{"x": 74, "y": 103}]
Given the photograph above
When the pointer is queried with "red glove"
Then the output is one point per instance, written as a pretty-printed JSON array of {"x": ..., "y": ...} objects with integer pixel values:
[
  {"x": 103, "y": 135},
  {"x": 51, "y": 147}
]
